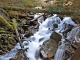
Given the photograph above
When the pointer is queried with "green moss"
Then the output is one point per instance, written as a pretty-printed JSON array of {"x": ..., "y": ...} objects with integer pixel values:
[
  {"x": 10, "y": 38},
  {"x": 14, "y": 23},
  {"x": 5, "y": 22},
  {"x": 10, "y": 46}
]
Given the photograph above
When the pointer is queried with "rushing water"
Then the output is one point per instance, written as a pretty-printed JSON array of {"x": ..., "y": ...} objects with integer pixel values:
[{"x": 44, "y": 32}]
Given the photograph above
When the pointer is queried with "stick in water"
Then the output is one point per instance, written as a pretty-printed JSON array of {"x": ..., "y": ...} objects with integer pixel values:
[{"x": 15, "y": 28}]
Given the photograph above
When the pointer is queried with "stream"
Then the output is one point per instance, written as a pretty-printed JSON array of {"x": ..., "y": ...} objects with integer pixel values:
[{"x": 44, "y": 32}]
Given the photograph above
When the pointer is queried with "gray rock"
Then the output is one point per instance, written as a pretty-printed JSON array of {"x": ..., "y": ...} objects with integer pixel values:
[{"x": 49, "y": 47}]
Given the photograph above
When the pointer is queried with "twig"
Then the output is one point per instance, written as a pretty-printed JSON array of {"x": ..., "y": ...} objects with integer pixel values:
[{"x": 15, "y": 27}]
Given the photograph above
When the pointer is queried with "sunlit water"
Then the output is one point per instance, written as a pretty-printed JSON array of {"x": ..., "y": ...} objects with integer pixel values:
[{"x": 44, "y": 32}]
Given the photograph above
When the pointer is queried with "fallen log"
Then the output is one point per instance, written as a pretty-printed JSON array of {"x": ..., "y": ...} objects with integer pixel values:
[{"x": 38, "y": 17}]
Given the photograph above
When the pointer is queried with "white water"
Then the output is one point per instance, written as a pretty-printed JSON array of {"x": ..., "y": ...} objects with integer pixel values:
[
  {"x": 43, "y": 32},
  {"x": 62, "y": 47}
]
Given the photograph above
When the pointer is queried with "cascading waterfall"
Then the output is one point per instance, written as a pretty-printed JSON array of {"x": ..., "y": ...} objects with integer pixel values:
[
  {"x": 44, "y": 32},
  {"x": 62, "y": 47},
  {"x": 59, "y": 54}
]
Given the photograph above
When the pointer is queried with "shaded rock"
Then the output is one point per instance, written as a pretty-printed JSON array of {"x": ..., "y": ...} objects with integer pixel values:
[
  {"x": 67, "y": 28},
  {"x": 4, "y": 47},
  {"x": 12, "y": 40},
  {"x": 49, "y": 47},
  {"x": 67, "y": 55},
  {"x": 74, "y": 34},
  {"x": 2, "y": 53},
  {"x": 70, "y": 49},
  {"x": 27, "y": 22},
  {"x": 37, "y": 26},
  {"x": 55, "y": 25},
  {"x": 28, "y": 34},
  {"x": 73, "y": 47},
  {"x": 24, "y": 28},
  {"x": 10, "y": 46},
  {"x": 19, "y": 56},
  {"x": 21, "y": 30},
  {"x": 76, "y": 56},
  {"x": 41, "y": 39}
]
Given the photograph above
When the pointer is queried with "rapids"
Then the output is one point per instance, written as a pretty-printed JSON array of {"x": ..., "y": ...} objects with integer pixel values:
[{"x": 45, "y": 29}]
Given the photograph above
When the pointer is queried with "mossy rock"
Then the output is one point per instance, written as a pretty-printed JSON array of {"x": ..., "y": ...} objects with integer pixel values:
[
  {"x": 10, "y": 46},
  {"x": 6, "y": 23},
  {"x": 5, "y": 42},
  {"x": 12, "y": 41}
]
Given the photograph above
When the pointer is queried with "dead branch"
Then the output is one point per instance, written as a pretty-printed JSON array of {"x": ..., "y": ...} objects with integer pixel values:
[{"x": 38, "y": 17}]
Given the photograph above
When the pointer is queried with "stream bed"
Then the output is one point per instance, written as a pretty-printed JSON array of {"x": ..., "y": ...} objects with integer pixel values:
[{"x": 44, "y": 32}]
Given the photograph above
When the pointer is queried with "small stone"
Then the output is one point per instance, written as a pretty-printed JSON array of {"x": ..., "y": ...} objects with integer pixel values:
[{"x": 55, "y": 25}]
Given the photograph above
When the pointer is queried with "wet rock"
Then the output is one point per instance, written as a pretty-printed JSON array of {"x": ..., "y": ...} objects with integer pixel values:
[
  {"x": 74, "y": 39},
  {"x": 67, "y": 28},
  {"x": 19, "y": 56},
  {"x": 76, "y": 56},
  {"x": 74, "y": 34},
  {"x": 70, "y": 49},
  {"x": 49, "y": 47},
  {"x": 24, "y": 27},
  {"x": 41, "y": 39},
  {"x": 1, "y": 52},
  {"x": 67, "y": 55},
  {"x": 55, "y": 25},
  {"x": 73, "y": 47},
  {"x": 54, "y": 35},
  {"x": 28, "y": 34}
]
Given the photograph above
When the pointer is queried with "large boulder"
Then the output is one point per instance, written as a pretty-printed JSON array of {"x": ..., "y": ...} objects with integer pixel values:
[{"x": 49, "y": 47}]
